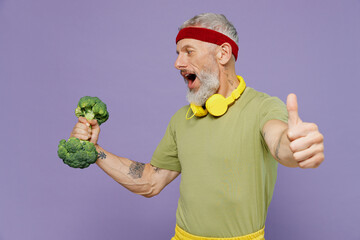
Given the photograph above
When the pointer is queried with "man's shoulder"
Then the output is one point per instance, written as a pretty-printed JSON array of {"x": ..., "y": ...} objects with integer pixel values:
[
  {"x": 260, "y": 99},
  {"x": 180, "y": 113},
  {"x": 255, "y": 95}
]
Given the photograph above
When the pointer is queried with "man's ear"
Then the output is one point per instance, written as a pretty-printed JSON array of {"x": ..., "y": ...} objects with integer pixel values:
[{"x": 224, "y": 53}]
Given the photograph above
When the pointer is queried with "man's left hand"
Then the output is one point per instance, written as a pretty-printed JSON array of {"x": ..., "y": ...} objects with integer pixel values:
[{"x": 306, "y": 142}]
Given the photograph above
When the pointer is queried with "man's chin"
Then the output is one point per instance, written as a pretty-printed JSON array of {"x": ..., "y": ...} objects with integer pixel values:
[
  {"x": 208, "y": 87},
  {"x": 197, "y": 100}
]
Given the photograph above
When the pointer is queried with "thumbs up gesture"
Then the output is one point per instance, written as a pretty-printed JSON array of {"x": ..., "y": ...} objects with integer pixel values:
[{"x": 306, "y": 142}]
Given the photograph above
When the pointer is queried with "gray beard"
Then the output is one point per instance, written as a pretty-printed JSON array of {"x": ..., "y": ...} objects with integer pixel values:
[{"x": 209, "y": 84}]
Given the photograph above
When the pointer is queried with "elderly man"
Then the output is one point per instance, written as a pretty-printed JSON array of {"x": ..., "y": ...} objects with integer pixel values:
[{"x": 226, "y": 143}]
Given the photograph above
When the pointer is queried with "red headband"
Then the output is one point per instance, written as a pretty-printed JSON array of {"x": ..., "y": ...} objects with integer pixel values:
[{"x": 207, "y": 35}]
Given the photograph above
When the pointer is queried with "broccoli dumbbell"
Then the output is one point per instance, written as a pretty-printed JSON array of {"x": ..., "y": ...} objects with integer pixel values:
[{"x": 78, "y": 153}]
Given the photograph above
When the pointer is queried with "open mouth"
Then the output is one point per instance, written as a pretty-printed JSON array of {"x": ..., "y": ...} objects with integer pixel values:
[{"x": 190, "y": 77}]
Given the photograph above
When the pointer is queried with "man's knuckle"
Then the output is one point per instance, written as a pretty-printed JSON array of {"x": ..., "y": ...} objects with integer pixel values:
[
  {"x": 290, "y": 134},
  {"x": 319, "y": 138},
  {"x": 77, "y": 130},
  {"x": 317, "y": 164},
  {"x": 313, "y": 127},
  {"x": 310, "y": 127},
  {"x": 292, "y": 146},
  {"x": 302, "y": 165},
  {"x": 297, "y": 156}
]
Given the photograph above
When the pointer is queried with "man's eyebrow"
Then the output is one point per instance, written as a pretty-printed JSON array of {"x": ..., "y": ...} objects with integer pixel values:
[{"x": 186, "y": 46}]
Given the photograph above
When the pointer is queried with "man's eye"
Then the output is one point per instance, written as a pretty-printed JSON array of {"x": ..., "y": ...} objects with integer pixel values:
[{"x": 189, "y": 51}]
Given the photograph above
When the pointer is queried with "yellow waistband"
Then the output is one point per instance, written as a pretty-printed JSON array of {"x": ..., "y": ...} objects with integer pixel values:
[{"x": 180, "y": 234}]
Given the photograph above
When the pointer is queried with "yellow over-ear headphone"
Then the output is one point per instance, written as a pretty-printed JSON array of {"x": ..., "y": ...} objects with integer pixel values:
[{"x": 217, "y": 104}]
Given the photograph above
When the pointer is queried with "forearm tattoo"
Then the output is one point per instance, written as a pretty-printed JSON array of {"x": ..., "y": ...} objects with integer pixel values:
[
  {"x": 136, "y": 169},
  {"x": 101, "y": 155},
  {"x": 156, "y": 169}
]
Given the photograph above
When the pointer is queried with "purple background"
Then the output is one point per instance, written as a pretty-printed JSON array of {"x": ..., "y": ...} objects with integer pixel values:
[{"x": 54, "y": 52}]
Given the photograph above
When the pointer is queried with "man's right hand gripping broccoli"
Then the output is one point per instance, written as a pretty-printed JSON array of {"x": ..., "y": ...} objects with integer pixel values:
[{"x": 91, "y": 111}]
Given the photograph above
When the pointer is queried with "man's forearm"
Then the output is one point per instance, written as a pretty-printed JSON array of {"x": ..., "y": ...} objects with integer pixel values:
[
  {"x": 275, "y": 136},
  {"x": 135, "y": 176},
  {"x": 282, "y": 151}
]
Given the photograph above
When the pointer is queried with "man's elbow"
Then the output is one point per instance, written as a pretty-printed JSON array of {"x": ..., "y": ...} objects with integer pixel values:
[
  {"x": 152, "y": 192},
  {"x": 150, "y": 189}
]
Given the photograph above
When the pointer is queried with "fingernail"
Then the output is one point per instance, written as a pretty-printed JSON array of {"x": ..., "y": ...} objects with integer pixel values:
[{"x": 88, "y": 124}]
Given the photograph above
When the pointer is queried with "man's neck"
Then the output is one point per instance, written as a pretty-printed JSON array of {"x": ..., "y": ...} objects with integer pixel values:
[{"x": 228, "y": 83}]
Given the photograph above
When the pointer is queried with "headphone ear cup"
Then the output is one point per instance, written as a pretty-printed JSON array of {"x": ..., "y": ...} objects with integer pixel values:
[
  {"x": 216, "y": 105},
  {"x": 198, "y": 111}
]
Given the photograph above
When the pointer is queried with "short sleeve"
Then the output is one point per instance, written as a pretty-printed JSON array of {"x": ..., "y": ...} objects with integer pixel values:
[
  {"x": 166, "y": 155},
  {"x": 272, "y": 108}
]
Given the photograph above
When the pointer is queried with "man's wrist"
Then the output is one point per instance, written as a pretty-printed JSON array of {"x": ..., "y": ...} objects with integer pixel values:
[{"x": 101, "y": 152}]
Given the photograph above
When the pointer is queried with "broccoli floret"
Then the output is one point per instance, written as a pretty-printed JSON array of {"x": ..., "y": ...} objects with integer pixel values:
[
  {"x": 92, "y": 108},
  {"x": 77, "y": 153}
]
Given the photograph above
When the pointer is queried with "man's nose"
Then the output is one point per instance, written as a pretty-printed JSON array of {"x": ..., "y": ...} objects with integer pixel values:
[{"x": 180, "y": 62}]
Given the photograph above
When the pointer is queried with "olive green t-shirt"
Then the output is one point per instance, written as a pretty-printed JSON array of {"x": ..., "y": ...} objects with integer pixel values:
[{"x": 227, "y": 171}]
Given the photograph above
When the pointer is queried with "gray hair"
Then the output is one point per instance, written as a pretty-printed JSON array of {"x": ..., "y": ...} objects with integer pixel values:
[{"x": 217, "y": 22}]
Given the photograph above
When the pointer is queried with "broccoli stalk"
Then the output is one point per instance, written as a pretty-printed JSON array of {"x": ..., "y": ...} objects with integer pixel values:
[{"x": 75, "y": 152}]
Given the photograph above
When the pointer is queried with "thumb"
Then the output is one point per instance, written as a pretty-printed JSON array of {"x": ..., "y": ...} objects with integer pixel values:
[
  {"x": 292, "y": 108},
  {"x": 95, "y": 130},
  {"x": 93, "y": 123},
  {"x": 84, "y": 121}
]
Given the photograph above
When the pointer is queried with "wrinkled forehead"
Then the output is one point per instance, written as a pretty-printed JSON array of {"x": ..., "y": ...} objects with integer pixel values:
[{"x": 186, "y": 43}]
